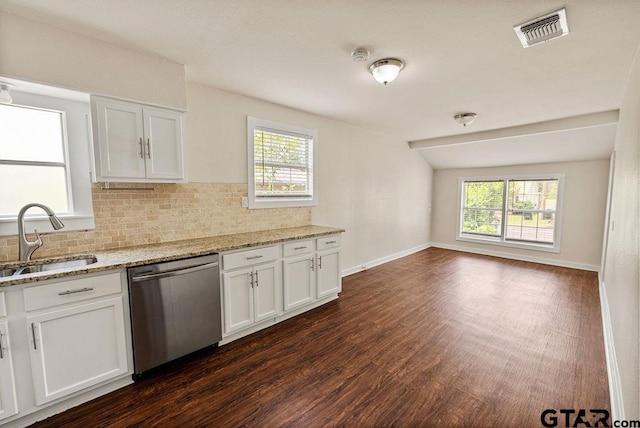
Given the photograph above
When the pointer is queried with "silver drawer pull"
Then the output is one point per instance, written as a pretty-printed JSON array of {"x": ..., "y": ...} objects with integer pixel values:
[
  {"x": 79, "y": 290},
  {"x": 1, "y": 347},
  {"x": 299, "y": 248},
  {"x": 254, "y": 257},
  {"x": 330, "y": 242}
]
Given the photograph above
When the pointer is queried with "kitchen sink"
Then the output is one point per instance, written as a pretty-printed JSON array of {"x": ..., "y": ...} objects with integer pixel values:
[{"x": 16, "y": 269}]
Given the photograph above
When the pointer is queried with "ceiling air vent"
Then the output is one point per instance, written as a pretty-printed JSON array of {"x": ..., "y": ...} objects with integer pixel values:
[{"x": 543, "y": 28}]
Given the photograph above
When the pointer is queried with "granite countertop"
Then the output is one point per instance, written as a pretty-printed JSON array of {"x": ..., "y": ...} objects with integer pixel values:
[{"x": 155, "y": 253}]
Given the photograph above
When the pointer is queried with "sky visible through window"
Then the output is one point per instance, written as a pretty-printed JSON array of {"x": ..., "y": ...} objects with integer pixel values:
[{"x": 32, "y": 159}]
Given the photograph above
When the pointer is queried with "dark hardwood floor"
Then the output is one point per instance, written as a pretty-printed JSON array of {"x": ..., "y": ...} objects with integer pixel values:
[{"x": 436, "y": 339}]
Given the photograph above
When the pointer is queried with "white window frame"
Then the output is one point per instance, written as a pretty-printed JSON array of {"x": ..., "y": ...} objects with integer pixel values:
[
  {"x": 77, "y": 158},
  {"x": 501, "y": 240},
  {"x": 280, "y": 202}
]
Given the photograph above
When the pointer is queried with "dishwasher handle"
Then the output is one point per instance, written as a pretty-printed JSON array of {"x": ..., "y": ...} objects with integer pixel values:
[{"x": 176, "y": 272}]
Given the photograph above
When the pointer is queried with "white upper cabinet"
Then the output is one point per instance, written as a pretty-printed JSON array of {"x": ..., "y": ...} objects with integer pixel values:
[
  {"x": 137, "y": 143},
  {"x": 163, "y": 143}
]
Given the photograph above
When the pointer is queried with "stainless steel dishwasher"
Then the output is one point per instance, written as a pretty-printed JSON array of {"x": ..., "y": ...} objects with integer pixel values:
[{"x": 175, "y": 310}]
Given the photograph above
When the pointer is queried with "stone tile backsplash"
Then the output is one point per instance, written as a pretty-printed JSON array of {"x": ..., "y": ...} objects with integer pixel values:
[{"x": 165, "y": 212}]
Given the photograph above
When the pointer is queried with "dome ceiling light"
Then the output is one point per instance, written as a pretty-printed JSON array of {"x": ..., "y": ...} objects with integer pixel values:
[
  {"x": 386, "y": 70},
  {"x": 465, "y": 119}
]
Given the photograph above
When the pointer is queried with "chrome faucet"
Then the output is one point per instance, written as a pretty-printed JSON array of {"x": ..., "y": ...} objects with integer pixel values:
[{"x": 25, "y": 247}]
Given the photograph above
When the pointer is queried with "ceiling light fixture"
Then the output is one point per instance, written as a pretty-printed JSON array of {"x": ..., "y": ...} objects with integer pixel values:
[
  {"x": 5, "y": 95},
  {"x": 465, "y": 119},
  {"x": 386, "y": 70}
]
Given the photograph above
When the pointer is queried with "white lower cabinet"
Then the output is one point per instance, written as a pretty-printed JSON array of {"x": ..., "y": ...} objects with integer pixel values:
[
  {"x": 329, "y": 277},
  {"x": 238, "y": 299},
  {"x": 250, "y": 295},
  {"x": 251, "y": 291},
  {"x": 71, "y": 343},
  {"x": 77, "y": 347},
  {"x": 299, "y": 281},
  {"x": 8, "y": 402},
  {"x": 266, "y": 291},
  {"x": 262, "y": 286},
  {"x": 328, "y": 273}
]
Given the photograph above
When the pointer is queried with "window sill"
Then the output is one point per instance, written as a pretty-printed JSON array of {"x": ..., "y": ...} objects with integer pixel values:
[
  {"x": 281, "y": 203},
  {"x": 9, "y": 226},
  {"x": 500, "y": 243}
]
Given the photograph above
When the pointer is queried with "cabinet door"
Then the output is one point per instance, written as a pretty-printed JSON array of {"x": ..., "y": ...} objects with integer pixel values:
[
  {"x": 299, "y": 281},
  {"x": 163, "y": 144},
  {"x": 238, "y": 299},
  {"x": 77, "y": 347},
  {"x": 8, "y": 404},
  {"x": 267, "y": 296},
  {"x": 329, "y": 278},
  {"x": 119, "y": 147}
]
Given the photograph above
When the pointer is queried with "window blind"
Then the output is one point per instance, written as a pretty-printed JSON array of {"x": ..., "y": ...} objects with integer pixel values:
[{"x": 283, "y": 164}]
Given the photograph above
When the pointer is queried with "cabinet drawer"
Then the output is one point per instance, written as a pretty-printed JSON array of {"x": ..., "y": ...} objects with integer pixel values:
[
  {"x": 250, "y": 257},
  {"x": 59, "y": 293},
  {"x": 328, "y": 242},
  {"x": 298, "y": 247}
]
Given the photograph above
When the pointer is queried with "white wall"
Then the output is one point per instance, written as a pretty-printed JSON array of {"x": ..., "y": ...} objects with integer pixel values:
[
  {"x": 582, "y": 225},
  {"x": 372, "y": 185},
  {"x": 41, "y": 53},
  {"x": 621, "y": 267}
]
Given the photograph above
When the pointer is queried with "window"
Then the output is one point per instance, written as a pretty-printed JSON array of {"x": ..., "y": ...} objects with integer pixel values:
[
  {"x": 44, "y": 158},
  {"x": 515, "y": 211},
  {"x": 34, "y": 156},
  {"x": 281, "y": 165}
]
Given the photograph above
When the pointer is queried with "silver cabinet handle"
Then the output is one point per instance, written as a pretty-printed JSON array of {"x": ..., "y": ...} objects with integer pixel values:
[
  {"x": 176, "y": 272},
  {"x": 148, "y": 148},
  {"x": 79, "y": 290},
  {"x": 254, "y": 257},
  {"x": 33, "y": 334},
  {"x": 320, "y": 262},
  {"x": 1, "y": 346},
  {"x": 141, "y": 149},
  {"x": 251, "y": 279},
  {"x": 312, "y": 263},
  {"x": 257, "y": 279},
  {"x": 330, "y": 242},
  {"x": 299, "y": 248}
]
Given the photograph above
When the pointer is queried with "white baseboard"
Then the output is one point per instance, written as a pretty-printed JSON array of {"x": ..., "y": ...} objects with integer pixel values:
[
  {"x": 521, "y": 257},
  {"x": 382, "y": 260},
  {"x": 615, "y": 388}
]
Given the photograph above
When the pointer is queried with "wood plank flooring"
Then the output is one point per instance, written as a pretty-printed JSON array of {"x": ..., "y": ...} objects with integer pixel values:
[{"x": 438, "y": 338}]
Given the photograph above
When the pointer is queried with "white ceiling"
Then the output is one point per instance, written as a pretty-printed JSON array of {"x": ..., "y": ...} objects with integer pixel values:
[{"x": 460, "y": 56}]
